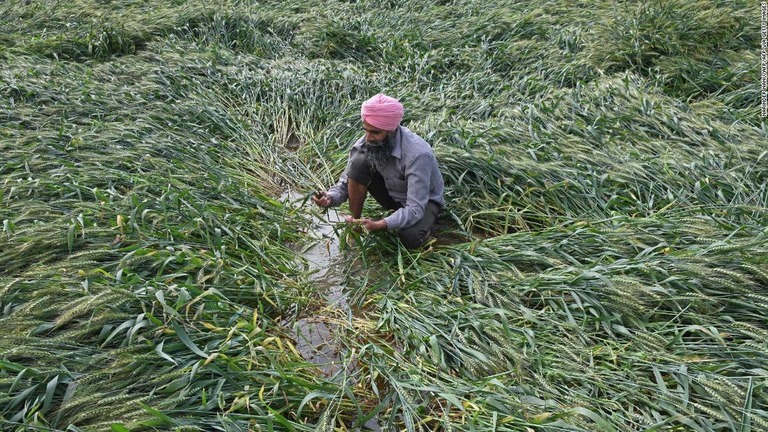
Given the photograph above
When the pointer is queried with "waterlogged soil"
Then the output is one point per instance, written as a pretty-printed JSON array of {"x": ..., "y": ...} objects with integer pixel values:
[{"x": 317, "y": 336}]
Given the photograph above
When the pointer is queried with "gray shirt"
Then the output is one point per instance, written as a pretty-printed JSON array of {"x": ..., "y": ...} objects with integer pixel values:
[{"x": 411, "y": 177}]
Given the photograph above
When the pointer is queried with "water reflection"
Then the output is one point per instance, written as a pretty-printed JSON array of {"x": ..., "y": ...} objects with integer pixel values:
[
  {"x": 319, "y": 338},
  {"x": 315, "y": 336}
]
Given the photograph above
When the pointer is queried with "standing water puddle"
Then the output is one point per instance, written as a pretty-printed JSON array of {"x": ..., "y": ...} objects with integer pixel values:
[{"x": 316, "y": 336}]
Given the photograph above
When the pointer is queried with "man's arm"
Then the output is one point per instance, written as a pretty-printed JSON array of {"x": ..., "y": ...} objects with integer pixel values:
[{"x": 339, "y": 192}]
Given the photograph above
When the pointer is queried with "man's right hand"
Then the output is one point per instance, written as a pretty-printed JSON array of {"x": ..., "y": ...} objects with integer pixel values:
[{"x": 321, "y": 199}]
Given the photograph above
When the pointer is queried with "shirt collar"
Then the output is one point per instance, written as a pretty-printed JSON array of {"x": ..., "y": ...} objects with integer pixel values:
[{"x": 397, "y": 149}]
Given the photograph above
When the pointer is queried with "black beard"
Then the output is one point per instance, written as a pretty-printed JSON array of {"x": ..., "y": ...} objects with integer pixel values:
[{"x": 379, "y": 152}]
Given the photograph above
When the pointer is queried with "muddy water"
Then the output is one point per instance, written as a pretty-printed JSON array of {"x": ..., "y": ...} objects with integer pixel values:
[
  {"x": 318, "y": 338},
  {"x": 325, "y": 260},
  {"x": 315, "y": 339},
  {"x": 315, "y": 336}
]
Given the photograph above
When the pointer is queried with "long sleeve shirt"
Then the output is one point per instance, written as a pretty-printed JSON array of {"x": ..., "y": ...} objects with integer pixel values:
[{"x": 412, "y": 178}]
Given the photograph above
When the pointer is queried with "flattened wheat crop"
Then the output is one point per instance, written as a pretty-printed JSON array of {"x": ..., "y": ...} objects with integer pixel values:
[{"x": 601, "y": 262}]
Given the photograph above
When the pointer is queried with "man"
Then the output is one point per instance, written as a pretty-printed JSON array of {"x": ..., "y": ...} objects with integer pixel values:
[{"x": 399, "y": 170}]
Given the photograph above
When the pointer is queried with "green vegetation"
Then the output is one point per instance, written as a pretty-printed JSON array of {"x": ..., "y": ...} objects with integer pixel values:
[{"x": 607, "y": 193}]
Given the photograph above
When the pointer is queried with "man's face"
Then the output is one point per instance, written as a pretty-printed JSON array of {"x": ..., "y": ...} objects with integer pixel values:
[
  {"x": 374, "y": 136},
  {"x": 379, "y": 145}
]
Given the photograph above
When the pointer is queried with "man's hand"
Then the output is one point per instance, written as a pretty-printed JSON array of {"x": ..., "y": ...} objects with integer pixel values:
[
  {"x": 321, "y": 199},
  {"x": 368, "y": 224}
]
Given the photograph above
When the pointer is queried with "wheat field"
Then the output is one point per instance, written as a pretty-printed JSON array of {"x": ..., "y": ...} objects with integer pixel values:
[{"x": 601, "y": 263}]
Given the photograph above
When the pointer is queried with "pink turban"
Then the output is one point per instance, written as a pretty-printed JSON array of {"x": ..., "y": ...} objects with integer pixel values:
[{"x": 383, "y": 112}]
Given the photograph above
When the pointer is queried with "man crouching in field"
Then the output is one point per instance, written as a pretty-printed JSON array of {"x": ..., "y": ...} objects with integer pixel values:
[{"x": 398, "y": 168}]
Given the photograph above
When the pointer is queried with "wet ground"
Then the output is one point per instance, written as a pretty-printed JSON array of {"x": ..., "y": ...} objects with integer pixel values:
[{"x": 317, "y": 337}]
